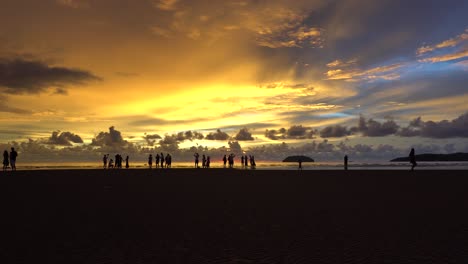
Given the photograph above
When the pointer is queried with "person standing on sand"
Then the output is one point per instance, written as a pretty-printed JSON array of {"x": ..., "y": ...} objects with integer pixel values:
[
  {"x": 208, "y": 161},
  {"x": 126, "y": 163},
  {"x": 346, "y": 162},
  {"x": 104, "y": 161},
  {"x": 196, "y": 155},
  {"x": 156, "y": 159},
  {"x": 13, "y": 155},
  {"x": 162, "y": 160},
  {"x": 224, "y": 161},
  {"x": 150, "y": 161},
  {"x": 6, "y": 160},
  {"x": 412, "y": 158}
]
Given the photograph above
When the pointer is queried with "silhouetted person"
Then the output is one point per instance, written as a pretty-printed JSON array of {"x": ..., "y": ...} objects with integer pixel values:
[
  {"x": 168, "y": 160},
  {"x": 156, "y": 159},
  {"x": 126, "y": 163},
  {"x": 224, "y": 161},
  {"x": 208, "y": 161},
  {"x": 412, "y": 158},
  {"x": 150, "y": 161},
  {"x": 104, "y": 161},
  {"x": 111, "y": 163},
  {"x": 203, "y": 161},
  {"x": 300, "y": 164},
  {"x": 196, "y": 155},
  {"x": 6, "y": 160},
  {"x": 246, "y": 161},
  {"x": 13, "y": 155},
  {"x": 346, "y": 162},
  {"x": 162, "y": 160},
  {"x": 242, "y": 161},
  {"x": 252, "y": 162}
]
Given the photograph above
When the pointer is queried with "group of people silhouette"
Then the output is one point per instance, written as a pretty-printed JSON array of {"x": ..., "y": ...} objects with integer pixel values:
[
  {"x": 206, "y": 160},
  {"x": 109, "y": 163},
  {"x": 9, "y": 159},
  {"x": 166, "y": 162}
]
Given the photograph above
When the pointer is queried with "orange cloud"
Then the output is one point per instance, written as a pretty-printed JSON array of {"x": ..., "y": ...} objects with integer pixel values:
[
  {"x": 444, "y": 44},
  {"x": 447, "y": 57}
]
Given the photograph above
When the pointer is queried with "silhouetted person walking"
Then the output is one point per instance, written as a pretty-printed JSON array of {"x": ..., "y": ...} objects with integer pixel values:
[
  {"x": 162, "y": 160},
  {"x": 126, "y": 162},
  {"x": 208, "y": 161},
  {"x": 6, "y": 160},
  {"x": 13, "y": 155},
  {"x": 346, "y": 162},
  {"x": 412, "y": 158}
]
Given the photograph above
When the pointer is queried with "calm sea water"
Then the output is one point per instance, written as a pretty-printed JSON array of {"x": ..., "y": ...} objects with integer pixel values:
[{"x": 263, "y": 165}]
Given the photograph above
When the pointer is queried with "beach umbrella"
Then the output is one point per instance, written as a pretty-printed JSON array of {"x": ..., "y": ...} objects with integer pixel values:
[{"x": 297, "y": 158}]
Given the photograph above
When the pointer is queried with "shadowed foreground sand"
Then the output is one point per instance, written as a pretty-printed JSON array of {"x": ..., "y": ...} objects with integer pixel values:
[{"x": 233, "y": 216}]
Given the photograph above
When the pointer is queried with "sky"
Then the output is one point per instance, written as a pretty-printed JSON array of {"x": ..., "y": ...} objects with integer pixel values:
[{"x": 371, "y": 79}]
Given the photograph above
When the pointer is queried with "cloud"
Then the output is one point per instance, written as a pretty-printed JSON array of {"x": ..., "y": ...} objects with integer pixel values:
[
  {"x": 457, "y": 127},
  {"x": 63, "y": 138},
  {"x": 166, "y": 5},
  {"x": 334, "y": 131},
  {"x": 193, "y": 135},
  {"x": 151, "y": 138},
  {"x": 243, "y": 135},
  {"x": 447, "y": 57},
  {"x": 372, "y": 128},
  {"x": 73, "y": 3},
  {"x": 452, "y": 42},
  {"x": 20, "y": 76},
  {"x": 218, "y": 135},
  {"x": 235, "y": 147},
  {"x": 350, "y": 72},
  {"x": 111, "y": 138},
  {"x": 294, "y": 132},
  {"x": 6, "y": 108},
  {"x": 275, "y": 134}
]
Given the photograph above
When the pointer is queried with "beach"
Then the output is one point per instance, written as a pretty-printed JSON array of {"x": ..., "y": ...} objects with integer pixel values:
[{"x": 233, "y": 216}]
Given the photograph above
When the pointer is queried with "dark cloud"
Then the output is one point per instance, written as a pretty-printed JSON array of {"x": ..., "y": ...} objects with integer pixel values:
[
  {"x": 193, "y": 135},
  {"x": 235, "y": 147},
  {"x": 218, "y": 135},
  {"x": 111, "y": 138},
  {"x": 22, "y": 76},
  {"x": 170, "y": 142},
  {"x": 299, "y": 132},
  {"x": 334, "y": 131},
  {"x": 275, "y": 134},
  {"x": 244, "y": 135},
  {"x": 294, "y": 132},
  {"x": 372, "y": 128},
  {"x": 457, "y": 127},
  {"x": 64, "y": 138},
  {"x": 151, "y": 138}
]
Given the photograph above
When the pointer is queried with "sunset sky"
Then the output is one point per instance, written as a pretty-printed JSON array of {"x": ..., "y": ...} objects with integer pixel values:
[{"x": 344, "y": 76}]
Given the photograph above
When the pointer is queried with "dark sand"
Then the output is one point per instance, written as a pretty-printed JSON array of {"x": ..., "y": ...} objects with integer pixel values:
[{"x": 233, "y": 216}]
